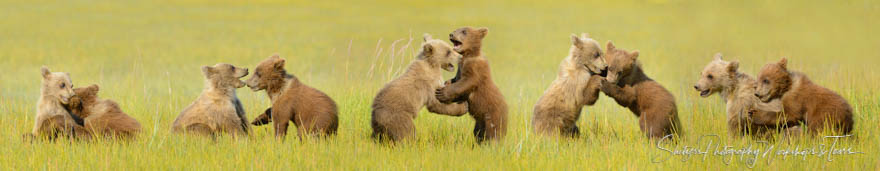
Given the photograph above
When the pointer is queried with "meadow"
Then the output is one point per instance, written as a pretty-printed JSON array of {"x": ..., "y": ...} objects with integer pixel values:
[{"x": 146, "y": 55}]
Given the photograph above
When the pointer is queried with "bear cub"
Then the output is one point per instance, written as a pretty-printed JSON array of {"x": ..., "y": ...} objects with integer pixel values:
[
  {"x": 217, "y": 110},
  {"x": 802, "y": 100},
  {"x": 398, "y": 103},
  {"x": 101, "y": 116},
  {"x": 310, "y": 110},
  {"x": 473, "y": 84},
  {"x": 576, "y": 85},
  {"x": 628, "y": 85},
  {"x": 52, "y": 119}
]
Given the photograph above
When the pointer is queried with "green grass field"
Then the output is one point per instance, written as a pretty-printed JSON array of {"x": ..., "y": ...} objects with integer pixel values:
[{"x": 146, "y": 55}]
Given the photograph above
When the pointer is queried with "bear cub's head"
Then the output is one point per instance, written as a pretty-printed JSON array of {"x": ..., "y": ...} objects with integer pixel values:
[
  {"x": 439, "y": 53},
  {"x": 84, "y": 96},
  {"x": 225, "y": 75},
  {"x": 467, "y": 40},
  {"x": 773, "y": 81},
  {"x": 586, "y": 51},
  {"x": 716, "y": 76},
  {"x": 56, "y": 85},
  {"x": 267, "y": 72},
  {"x": 621, "y": 63}
]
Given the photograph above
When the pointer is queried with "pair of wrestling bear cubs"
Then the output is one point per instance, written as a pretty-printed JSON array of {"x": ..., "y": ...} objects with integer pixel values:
[
  {"x": 753, "y": 108},
  {"x": 584, "y": 73}
]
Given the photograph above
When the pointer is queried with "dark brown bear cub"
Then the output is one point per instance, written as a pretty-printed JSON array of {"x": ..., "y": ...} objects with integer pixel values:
[
  {"x": 310, "y": 110},
  {"x": 628, "y": 85},
  {"x": 102, "y": 117},
  {"x": 473, "y": 83},
  {"x": 802, "y": 100}
]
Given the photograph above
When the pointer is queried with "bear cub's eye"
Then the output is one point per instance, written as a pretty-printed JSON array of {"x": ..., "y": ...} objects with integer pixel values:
[
  {"x": 63, "y": 85},
  {"x": 709, "y": 76},
  {"x": 766, "y": 81}
]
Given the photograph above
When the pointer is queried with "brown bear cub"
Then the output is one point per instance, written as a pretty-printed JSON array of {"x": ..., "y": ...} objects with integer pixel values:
[
  {"x": 576, "y": 85},
  {"x": 737, "y": 89},
  {"x": 627, "y": 84},
  {"x": 398, "y": 103},
  {"x": 52, "y": 119},
  {"x": 473, "y": 83},
  {"x": 217, "y": 110},
  {"x": 310, "y": 110},
  {"x": 102, "y": 117},
  {"x": 802, "y": 100}
]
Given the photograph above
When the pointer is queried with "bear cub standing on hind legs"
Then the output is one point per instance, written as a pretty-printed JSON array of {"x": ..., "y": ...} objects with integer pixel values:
[
  {"x": 399, "y": 102},
  {"x": 576, "y": 85},
  {"x": 802, "y": 100},
  {"x": 628, "y": 85},
  {"x": 217, "y": 110},
  {"x": 473, "y": 83},
  {"x": 737, "y": 90},
  {"x": 52, "y": 119},
  {"x": 102, "y": 117},
  {"x": 310, "y": 110}
]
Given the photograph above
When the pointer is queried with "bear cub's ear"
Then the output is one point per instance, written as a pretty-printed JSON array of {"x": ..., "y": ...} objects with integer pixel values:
[
  {"x": 717, "y": 56},
  {"x": 483, "y": 31},
  {"x": 732, "y": 67},
  {"x": 575, "y": 40},
  {"x": 609, "y": 46},
  {"x": 279, "y": 64},
  {"x": 783, "y": 63},
  {"x": 207, "y": 70},
  {"x": 427, "y": 49},
  {"x": 45, "y": 71},
  {"x": 94, "y": 87},
  {"x": 634, "y": 54},
  {"x": 426, "y": 37}
]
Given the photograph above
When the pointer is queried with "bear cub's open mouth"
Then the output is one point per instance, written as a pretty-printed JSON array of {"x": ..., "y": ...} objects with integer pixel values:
[
  {"x": 604, "y": 73},
  {"x": 705, "y": 93},
  {"x": 449, "y": 67},
  {"x": 455, "y": 43}
]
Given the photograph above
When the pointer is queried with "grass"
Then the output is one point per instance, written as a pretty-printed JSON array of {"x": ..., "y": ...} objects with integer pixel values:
[{"x": 146, "y": 56}]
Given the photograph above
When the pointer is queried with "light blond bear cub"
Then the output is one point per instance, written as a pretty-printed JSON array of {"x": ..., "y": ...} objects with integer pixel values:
[
  {"x": 52, "y": 119},
  {"x": 576, "y": 85},
  {"x": 217, "y": 110},
  {"x": 398, "y": 103},
  {"x": 737, "y": 90}
]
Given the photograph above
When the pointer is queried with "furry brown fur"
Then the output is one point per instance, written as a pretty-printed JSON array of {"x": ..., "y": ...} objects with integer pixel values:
[
  {"x": 737, "y": 90},
  {"x": 473, "y": 83},
  {"x": 102, "y": 117},
  {"x": 802, "y": 100},
  {"x": 310, "y": 110},
  {"x": 628, "y": 85}
]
